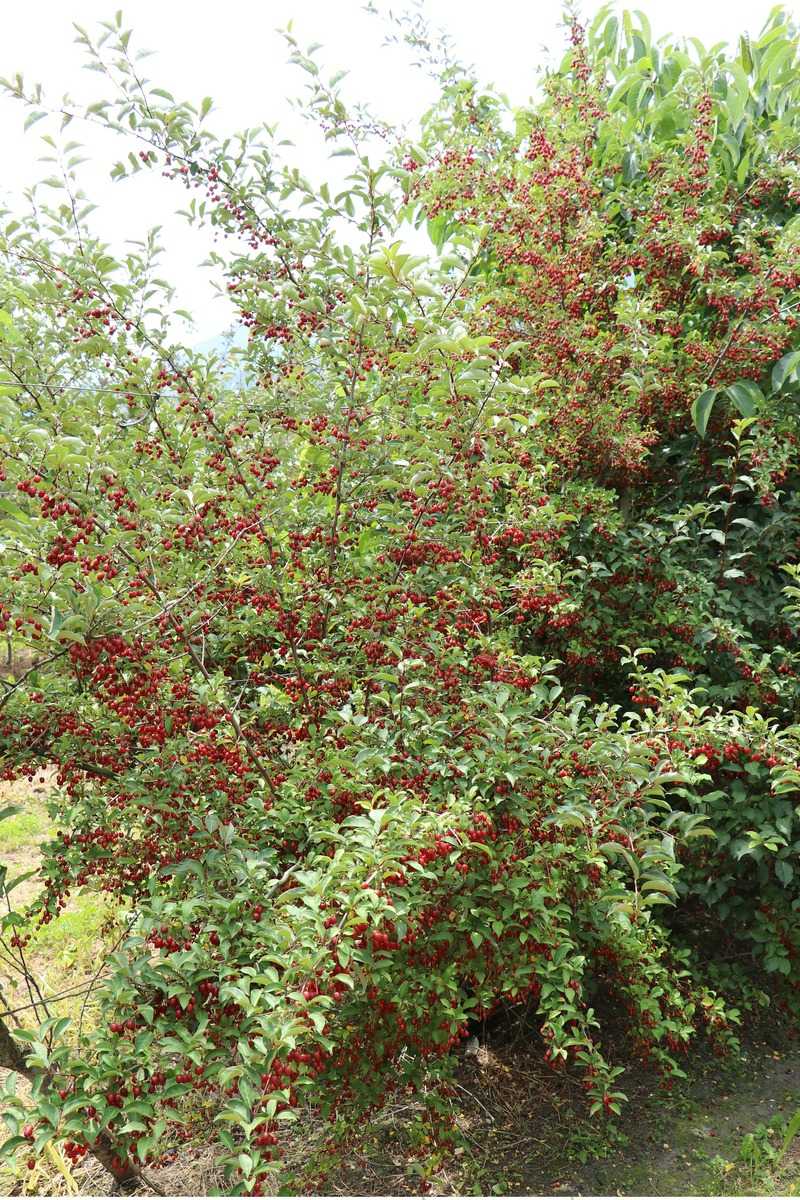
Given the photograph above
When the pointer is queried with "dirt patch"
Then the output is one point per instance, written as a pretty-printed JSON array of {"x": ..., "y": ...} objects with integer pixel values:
[
  {"x": 680, "y": 1147},
  {"x": 523, "y": 1130}
]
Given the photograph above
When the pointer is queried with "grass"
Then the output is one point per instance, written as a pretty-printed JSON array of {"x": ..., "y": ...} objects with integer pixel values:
[
  {"x": 21, "y": 830},
  {"x": 767, "y": 1161},
  {"x": 70, "y": 939}
]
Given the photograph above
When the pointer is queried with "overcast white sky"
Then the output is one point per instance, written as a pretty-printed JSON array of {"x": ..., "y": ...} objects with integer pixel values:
[{"x": 230, "y": 50}]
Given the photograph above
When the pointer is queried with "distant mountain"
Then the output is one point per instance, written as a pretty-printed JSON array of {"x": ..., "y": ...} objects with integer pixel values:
[
  {"x": 223, "y": 342},
  {"x": 221, "y": 346}
]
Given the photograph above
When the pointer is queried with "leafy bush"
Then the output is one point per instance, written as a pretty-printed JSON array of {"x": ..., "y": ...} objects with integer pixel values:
[{"x": 431, "y": 650}]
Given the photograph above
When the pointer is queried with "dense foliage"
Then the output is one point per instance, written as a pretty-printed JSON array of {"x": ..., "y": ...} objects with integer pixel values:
[{"x": 431, "y": 651}]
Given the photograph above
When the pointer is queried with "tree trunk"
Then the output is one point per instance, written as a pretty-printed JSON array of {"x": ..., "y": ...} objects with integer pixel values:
[{"x": 12, "y": 1059}]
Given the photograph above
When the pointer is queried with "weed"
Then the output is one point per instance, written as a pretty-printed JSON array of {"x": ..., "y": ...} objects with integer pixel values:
[
  {"x": 591, "y": 1143},
  {"x": 758, "y": 1149},
  {"x": 761, "y": 1167}
]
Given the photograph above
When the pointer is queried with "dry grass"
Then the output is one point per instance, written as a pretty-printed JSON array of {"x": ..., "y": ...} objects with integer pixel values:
[{"x": 193, "y": 1172}]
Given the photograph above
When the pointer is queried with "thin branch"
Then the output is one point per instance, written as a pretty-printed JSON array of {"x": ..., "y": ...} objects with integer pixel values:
[{"x": 68, "y": 994}]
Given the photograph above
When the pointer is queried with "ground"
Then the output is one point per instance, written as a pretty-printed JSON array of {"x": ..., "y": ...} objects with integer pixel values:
[
  {"x": 520, "y": 1127},
  {"x": 524, "y": 1132}
]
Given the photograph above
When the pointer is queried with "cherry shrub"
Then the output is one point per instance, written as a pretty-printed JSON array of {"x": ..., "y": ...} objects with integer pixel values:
[{"x": 430, "y": 650}]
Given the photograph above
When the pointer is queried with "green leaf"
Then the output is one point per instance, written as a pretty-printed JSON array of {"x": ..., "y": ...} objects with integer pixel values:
[
  {"x": 789, "y": 1134},
  {"x": 784, "y": 369},
  {"x": 32, "y": 118},
  {"x": 701, "y": 410},
  {"x": 13, "y": 1143},
  {"x": 9, "y": 887},
  {"x": 784, "y": 871}
]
